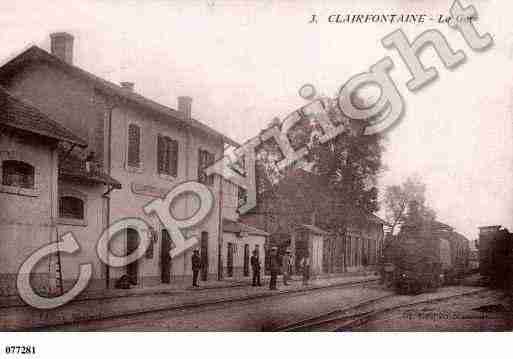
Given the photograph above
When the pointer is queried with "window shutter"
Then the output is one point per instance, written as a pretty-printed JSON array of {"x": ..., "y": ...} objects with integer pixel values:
[
  {"x": 200, "y": 167},
  {"x": 205, "y": 160},
  {"x": 173, "y": 165},
  {"x": 134, "y": 142},
  {"x": 167, "y": 156},
  {"x": 210, "y": 162},
  {"x": 160, "y": 154}
]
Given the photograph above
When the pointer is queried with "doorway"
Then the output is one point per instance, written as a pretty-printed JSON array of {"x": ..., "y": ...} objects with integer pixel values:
[
  {"x": 246, "y": 260},
  {"x": 132, "y": 242},
  {"x": 229, "y": 260},
  {"x": 302, "y": 249},
  {"x": 165, "y": 258},
  {"x": 204, "y": 256}
]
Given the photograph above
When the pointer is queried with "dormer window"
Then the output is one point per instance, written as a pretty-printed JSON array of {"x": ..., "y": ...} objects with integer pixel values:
[{"x": 17, "y": 174}]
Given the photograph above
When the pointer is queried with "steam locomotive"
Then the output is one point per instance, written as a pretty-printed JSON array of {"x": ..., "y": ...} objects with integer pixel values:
[{"x": 426, "y": 255}]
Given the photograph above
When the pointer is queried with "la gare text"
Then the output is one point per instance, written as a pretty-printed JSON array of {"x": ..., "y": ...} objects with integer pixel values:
[{"x": 389, "y": 18}]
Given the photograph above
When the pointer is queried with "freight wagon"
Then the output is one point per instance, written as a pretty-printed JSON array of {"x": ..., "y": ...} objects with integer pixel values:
[{"x": 496, "y": 256}]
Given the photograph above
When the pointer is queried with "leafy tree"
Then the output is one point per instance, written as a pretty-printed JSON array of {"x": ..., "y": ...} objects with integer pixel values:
[
  {"x": 398, "y": 199},
  {"x": 347, "y": 165}
]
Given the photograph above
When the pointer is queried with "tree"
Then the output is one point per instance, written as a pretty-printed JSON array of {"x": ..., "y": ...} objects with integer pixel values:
[
  {"x": 399, "y": 197},
  {"x": 347, "y": 165}
]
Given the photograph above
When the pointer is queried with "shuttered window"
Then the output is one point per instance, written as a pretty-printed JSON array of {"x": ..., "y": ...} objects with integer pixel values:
[
  {"x": 205, "y": 160},
  {"x": 167, "y": 156},
  {"x": 134, "y": 146}
]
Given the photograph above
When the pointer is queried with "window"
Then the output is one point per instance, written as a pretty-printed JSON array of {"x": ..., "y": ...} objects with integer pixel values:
[
  {"x": 71, "y": 207},
  {"x": 349, "y": 253},
  {"x": 205, "y": 160},
  {"x": 134, "y": 144},
  {"x": 242, "y": 196},
  {"x": 17, "y": 174},
  {"x": 356, "y": 252},
  {"x": 167, "y": 156}
]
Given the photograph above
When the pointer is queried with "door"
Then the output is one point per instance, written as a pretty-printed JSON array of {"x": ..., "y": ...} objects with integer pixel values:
[
  {"x": 229, "y": 260},
  {"x": 204, "y": 255},
  {"x": 165, "y": 258},
  {"x": 246, "y": 260},
  {"x": 132, "y": 242},
  {"x": 326, "y": 249},
  {"x": 301, "y": 249}
]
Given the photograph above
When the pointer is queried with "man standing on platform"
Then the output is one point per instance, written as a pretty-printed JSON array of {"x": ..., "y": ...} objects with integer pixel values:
[
  {"x": 196, "y": 267},
  {"x": 255, "y": 266},
  {"x": 286, "y": 267},
  {"x": 275, "y": 268}
]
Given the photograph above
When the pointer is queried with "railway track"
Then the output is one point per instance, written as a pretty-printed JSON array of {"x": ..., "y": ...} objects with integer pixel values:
[
  {"x": 348, "y": 317},
  {"x": 200, "y": 304}
]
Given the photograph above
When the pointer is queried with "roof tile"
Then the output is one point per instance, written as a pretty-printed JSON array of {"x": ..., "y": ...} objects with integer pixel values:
[{"x": 19, "y": 114}]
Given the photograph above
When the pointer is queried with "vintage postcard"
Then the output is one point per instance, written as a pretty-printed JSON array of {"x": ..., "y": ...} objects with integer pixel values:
[{"x": 235, "y": 166}]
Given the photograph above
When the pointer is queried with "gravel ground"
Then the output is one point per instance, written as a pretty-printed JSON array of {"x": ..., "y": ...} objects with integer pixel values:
[
  {"x": 23, "y": 317},
  {"x": 486, "y": 311},
  {"x": 251, "y": 315}
]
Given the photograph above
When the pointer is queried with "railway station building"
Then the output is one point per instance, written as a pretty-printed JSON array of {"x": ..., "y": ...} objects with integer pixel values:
[{"x": 121, "y": 151}]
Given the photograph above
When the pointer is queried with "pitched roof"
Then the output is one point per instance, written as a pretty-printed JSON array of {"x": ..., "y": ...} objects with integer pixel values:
[
  {"x": 308, "y": 190},
  {"x": 238, "y": 227},
  {"x": 21, "y": 115},
  {"x": 36, "y": 54},
  {"x": 442, "y": 226},
  {"x": 373, "y": 218},
  {"x": 313, "y": 229}
]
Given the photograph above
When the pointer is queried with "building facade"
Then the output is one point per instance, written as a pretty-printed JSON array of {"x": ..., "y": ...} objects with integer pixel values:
[
  {"x": 292, "y": 212},
  {"x": 37, "y": 201},
  {"x": 239, "y": 240},
  {"x": 135, "y": 150}
]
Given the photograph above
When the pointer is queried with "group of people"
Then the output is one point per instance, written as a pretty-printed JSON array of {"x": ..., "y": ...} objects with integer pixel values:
[
  {"x": 276, "y": 266},
  {"x": 285, "y": 266}
]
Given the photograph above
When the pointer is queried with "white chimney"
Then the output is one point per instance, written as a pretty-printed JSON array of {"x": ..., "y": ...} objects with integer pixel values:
[
  {"x": 127, "y": 85},
  {"x": 62, "y": 46},
  {"x": 185, "y": 106}
]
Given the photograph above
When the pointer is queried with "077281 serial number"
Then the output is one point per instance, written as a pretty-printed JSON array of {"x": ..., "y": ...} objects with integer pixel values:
[{"x": 20, "y": 349}]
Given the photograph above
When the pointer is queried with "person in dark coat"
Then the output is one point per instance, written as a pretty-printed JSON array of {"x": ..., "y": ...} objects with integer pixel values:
[
  {"x": 275, "y": 268},
  {"x": 305, "y": 266},
  {"x": 286, "y": 263},
  {"x": 196, "y": 267},
  {"x": 123, "y": 282},
  {"x": 255, "y": 266}
]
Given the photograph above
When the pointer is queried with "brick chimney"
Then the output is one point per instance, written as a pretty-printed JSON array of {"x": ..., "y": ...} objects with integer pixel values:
[
  {"x": 185, "y": 106},
  {"x": 127, "y": 85},
  {"x": 62, "y": 46}
]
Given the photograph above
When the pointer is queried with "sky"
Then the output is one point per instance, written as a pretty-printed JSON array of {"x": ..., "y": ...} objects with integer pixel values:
[{"x": 243, "y": 62}]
